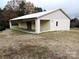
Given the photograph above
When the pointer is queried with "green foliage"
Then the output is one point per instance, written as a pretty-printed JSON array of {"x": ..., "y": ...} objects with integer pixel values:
[
  {"x": 2, "y": 28},
  {"x": 0, "y": 10},
  {"x": 21, "y": 10},
  {"x": 22, "y": 5},
  {"x": 74, "y": 23},
  {"x": 44, "y": 10},
  {"x": 37, "y": 9},
  {"x": 2, "y": 24}
]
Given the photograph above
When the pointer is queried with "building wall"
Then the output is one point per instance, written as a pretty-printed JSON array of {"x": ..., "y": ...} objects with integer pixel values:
[
  {"x": 55, "y": 15},
  {"x": 62, "y": 24},
  {"x": 33, "y": 25},
  {"x": 23, "y": 25},
  {"x": 63, "y": 21},
  {"x": 44, "y": 25}
]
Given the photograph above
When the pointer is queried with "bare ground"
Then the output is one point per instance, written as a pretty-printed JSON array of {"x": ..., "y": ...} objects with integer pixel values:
[{"x": 50, "y": 45}]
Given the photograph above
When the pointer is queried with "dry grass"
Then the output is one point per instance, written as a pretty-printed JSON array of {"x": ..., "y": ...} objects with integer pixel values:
[{"x": 51, "y": 45}]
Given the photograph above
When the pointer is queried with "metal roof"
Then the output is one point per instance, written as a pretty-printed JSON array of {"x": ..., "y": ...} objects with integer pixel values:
[{"x": 36, "y": 15}]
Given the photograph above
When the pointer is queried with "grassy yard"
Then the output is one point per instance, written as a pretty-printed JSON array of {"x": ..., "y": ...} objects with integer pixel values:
[{"x": 50, "y": 45}]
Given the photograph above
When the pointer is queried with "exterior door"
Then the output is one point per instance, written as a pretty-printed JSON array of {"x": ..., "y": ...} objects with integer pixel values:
[{"x": 29, "y": 25}]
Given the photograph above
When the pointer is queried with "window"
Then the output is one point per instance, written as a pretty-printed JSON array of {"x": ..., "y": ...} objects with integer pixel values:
[
  {"x": 56, "y": 23},
  {"x": 14, "y": 23}
]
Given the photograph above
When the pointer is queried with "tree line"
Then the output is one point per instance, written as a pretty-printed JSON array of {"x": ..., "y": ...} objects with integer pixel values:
[
  {"x": 8, "y": 13},
  {"x": 74, "y": 23}
]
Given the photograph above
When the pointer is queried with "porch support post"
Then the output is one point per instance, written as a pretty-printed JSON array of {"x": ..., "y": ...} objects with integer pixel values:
[
  {"x": 37, "y": 26},
  {"x": 50, "y": 25},
  {"x": 10, "y": 24}
]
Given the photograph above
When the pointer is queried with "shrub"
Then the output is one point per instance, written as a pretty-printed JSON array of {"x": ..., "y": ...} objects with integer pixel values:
[{"x": 2, "y": 28}]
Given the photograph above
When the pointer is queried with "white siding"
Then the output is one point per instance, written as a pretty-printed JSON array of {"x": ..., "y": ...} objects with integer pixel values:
[
  {"x": 23, "y": 25},
  {"x": 55, "y": 15},
  {"x": 37, "y": 26},
  {"x": 62, "y": 24},
  {"x": 33, "y": 25},
  {"x": 44, "y": 25},
  {"x": 63, "y": 21}
]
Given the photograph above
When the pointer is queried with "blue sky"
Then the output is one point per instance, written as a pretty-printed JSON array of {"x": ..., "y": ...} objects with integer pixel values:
[{"x": 71, "y": 7}]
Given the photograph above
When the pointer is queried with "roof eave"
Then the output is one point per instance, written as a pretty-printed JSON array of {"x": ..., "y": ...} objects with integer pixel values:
[
  {"x": 65, "y": 14},
  {"x": 22, "y": 19}
]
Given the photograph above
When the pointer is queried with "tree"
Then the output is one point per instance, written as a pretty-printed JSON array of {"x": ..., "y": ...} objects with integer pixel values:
[
  {"x": 2, "y": 21},
  {"x": 75, "y": 22},
  {"x": 14, "y": 4},
  {"x": 44, "y": 10},
  {"x": 9, "y": 14},
  {"x": 21, "y": 10},
  {"x": 22, "y": 7},
  {"x": 38, "y": 9},
  {"x": 25, "y": 8},
  {"x": 1, "y": 10},
  {"x": 29, "y": 8}
]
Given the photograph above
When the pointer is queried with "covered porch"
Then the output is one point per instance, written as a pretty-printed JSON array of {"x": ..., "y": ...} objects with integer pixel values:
[{"x": 30, "y": 25}]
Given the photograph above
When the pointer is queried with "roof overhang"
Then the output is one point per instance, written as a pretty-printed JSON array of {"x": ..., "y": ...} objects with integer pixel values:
[{"x": 25, "y": 19}]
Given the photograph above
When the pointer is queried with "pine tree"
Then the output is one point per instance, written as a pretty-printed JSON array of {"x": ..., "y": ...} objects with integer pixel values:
[
  {"x": 37, "y": 9},
  {"x": 21, "y": 10}
]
